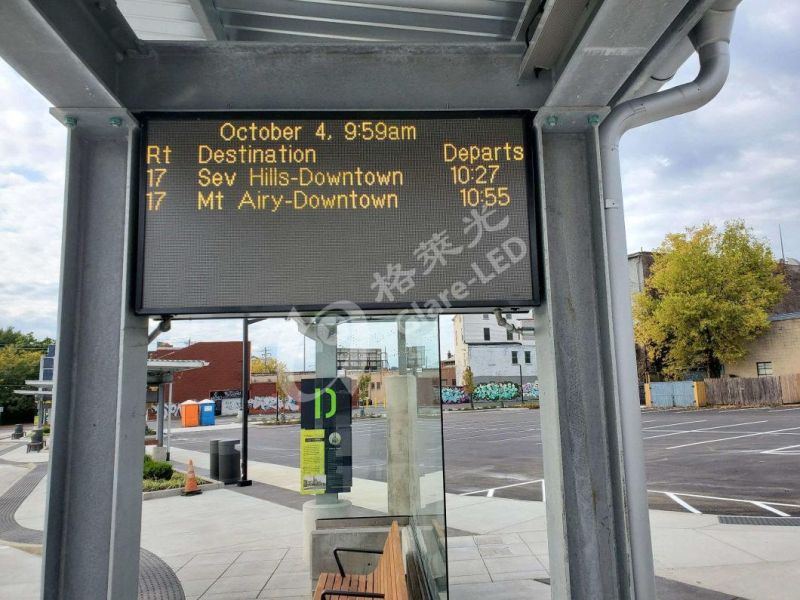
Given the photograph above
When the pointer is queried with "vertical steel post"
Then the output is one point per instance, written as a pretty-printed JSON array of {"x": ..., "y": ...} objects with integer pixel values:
[
  {"x": 588, "y": 527},
  {"x": 160, "y": 416},
  {"x": 93, "y": 518},
  {"x": 326, "y": 366},
  {"x": 244, "y": 481},
  {"x": 169, "y": 421}
]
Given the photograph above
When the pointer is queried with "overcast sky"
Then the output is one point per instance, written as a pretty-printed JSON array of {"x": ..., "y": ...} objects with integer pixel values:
[{"x": 736, "y": 158}]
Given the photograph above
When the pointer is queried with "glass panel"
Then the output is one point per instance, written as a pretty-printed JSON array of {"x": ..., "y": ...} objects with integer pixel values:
[{"x": 397, "y": 438}]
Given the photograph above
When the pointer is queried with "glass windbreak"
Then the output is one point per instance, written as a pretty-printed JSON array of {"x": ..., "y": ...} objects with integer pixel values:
[{"x": 397, "y": 465}]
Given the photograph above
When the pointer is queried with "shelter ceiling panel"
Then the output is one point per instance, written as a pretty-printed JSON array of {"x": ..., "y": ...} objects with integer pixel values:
[
  {"x": 162, "y": 19},
  {"x": 429, "y": 21}
]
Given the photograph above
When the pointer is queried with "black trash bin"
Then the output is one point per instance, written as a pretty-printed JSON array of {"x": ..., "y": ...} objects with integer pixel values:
[
  {"x": 213, "y": 452},
  {"x": 229, "y": 461},
  {"x": 18, "y": 433}
]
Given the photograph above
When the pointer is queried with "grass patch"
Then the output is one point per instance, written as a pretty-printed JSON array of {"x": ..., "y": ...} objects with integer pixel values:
[{"x": 177, "y": 480}]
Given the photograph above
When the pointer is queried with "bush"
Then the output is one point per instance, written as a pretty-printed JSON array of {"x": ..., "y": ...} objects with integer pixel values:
[
  {"x": 176, "y": 481},
  {"x": 154, "y": 469}
]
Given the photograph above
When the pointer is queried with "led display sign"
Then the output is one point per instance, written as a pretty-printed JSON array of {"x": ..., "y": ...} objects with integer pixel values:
[{"x": 273, "y": 214}]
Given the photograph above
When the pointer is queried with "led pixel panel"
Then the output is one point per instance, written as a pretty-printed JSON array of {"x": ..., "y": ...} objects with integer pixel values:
[{"x": 274, "y": 214}]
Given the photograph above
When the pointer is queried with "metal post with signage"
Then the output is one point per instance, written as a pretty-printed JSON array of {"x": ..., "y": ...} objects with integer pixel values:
[{"x": 326, "y": 449}]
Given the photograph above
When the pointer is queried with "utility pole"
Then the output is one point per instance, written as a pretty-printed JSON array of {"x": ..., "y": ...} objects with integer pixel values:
[
  {"x": 244, "y": 481},
  {"x": 780, "y": 235}
]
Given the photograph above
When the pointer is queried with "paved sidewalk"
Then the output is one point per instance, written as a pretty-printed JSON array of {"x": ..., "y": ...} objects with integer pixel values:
[
  {"x": 509, "y": 549},
  {"x": 234, "y": 545}
]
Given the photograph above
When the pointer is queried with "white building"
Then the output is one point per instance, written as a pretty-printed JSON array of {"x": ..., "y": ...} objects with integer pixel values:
[{"x": 494, "y": 353}]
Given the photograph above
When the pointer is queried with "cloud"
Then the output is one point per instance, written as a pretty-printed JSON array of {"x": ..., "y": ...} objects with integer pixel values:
[
  {"x": 32, "y": 151},
  {"x": 735, "y": 158},
  {"x": 280, "y": 338}
]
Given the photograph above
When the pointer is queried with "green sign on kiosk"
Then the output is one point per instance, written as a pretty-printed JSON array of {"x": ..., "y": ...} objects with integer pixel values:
[{"x": 326, "y": 442}]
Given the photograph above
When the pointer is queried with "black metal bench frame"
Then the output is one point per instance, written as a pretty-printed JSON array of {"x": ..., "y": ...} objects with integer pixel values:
[{"x": 354, "y": 594}]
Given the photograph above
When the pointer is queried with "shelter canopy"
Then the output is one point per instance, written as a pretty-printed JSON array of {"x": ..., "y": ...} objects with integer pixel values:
[{"x": 176, "y": 55}]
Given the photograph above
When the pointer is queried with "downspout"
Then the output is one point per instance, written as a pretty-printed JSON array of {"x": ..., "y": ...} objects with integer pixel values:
[{"x": 711, "y": 40}]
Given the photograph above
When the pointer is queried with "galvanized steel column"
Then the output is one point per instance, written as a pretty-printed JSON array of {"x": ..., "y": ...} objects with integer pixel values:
[
  {"x": 588, "y": 534},
  {"x": 92, "y": 526}
]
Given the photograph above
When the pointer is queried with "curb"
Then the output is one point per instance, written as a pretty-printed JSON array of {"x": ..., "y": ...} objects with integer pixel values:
[{"x": 154, "y": 495}]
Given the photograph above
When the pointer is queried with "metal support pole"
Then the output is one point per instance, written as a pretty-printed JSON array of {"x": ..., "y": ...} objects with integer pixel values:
[
  {"x": 402, "y": 352},
  {"x": 94, "y": 500},
  {"x": 169, "y": 421},
  {"x": 326, "y": 368},
  {"x": 588, "y": 535},
  {"x": 160, "y": 416},
  {"x": 244, "y": 481}
]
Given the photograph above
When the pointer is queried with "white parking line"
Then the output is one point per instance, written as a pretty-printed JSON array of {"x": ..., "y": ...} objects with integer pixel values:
[
  {"x": 674, "y": 424},
  {"x": 780, "y": 513},
  {"x": 686, "y": 495},
  {"x": 704, "y": 429},
  {"x": 683, "y": 503},
  {"x": 781, "y": 450},
  {"x": 490, "y": 491},
  {"x": 735, "y": 437}
]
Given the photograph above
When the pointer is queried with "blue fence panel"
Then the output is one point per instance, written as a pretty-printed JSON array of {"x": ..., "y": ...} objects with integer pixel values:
[
  {"x": 666, "y": 394},
  {"x": 683, "y": 393}
]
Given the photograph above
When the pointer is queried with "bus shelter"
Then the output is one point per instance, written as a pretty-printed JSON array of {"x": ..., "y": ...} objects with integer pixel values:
[{"x": 562, "y": 79}]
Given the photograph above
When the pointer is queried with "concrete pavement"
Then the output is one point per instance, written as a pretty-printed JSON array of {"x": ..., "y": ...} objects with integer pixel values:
[{"x": 225, "y": 544}]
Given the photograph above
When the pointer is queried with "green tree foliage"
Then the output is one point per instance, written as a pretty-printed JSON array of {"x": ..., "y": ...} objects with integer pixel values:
[
  {"x": 709, "y": 293},
  {"x": 363, "y": 388},
  {"x": 19, "y": 360},
  {"x": 469, "y": 385},
  {"x": 272, "y": 366}
]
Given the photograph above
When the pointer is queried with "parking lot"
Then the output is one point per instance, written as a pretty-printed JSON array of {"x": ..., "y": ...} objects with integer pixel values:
[{"x": 731, "y": 462}]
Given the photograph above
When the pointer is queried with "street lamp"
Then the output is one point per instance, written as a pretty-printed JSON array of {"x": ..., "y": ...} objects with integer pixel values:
[{"x": 521, "y": 393}]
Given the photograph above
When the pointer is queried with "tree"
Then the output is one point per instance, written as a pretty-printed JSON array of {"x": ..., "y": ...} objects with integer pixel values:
[
  {"x": 272, "y": 366},
  {"x": 709, "y": 292},
  {"x": 363, "y": 388},
  {"x": 469, "y": 385},
  {"x": 19, "y": 360}
]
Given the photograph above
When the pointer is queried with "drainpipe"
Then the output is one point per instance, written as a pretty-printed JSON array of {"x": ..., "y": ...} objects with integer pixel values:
[{"x": 711, "y": 40}]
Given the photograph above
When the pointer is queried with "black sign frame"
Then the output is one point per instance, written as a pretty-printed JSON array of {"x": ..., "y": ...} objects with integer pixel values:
[{"x": 139, "y": 173}]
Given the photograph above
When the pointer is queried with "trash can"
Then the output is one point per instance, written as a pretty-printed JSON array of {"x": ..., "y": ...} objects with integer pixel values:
[
  {"x": 213, "y": 453},
  {"x": 18, "y": 433},
  {"x": 229, "y": 461},
  {"x": 190, "y": 413},
  {"x": 206, "y": 412}
]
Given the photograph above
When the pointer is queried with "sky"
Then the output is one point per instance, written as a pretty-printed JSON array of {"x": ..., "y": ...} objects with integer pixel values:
[{"x": 736, "y": 158}]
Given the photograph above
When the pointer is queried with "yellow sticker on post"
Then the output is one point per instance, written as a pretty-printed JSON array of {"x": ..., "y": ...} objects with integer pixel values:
[{"x": 312, "y": 461}]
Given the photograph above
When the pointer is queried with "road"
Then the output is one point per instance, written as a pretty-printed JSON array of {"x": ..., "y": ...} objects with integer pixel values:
[{"x": 732, "y": 462}]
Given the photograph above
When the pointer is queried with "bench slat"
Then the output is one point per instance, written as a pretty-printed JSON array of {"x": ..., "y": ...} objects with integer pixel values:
[{"x": 388, "y": 577}]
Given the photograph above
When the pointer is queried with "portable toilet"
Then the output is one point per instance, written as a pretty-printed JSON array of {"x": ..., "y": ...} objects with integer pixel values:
[
  {"x": 206, "y": 412},
  {"x": 190, "y": 413}
]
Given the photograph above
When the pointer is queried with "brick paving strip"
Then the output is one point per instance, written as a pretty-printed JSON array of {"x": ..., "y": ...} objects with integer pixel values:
[{"x": 157, "y": 581}]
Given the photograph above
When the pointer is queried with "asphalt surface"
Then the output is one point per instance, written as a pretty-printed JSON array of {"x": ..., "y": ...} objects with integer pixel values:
[{"x": 729, "y": 462}]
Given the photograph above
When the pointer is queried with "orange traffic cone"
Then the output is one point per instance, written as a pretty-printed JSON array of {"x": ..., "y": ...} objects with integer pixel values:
[{"x": 190, "y": 488}]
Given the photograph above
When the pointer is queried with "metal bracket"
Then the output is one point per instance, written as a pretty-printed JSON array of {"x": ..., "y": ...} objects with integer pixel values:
[{"x": 561, "y": 119}]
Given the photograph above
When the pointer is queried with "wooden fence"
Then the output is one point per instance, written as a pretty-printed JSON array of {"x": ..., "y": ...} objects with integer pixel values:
[{"x": 753, "y": 391}]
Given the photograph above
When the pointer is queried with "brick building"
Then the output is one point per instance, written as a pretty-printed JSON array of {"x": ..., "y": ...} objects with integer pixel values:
[{"x": 223, "y": 373}]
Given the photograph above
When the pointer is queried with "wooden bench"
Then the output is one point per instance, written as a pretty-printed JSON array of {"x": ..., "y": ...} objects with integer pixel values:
[{"x": 388, "y": 580}]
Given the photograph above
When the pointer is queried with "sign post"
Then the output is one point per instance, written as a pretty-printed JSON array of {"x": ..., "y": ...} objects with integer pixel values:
[{"x": 326, "y": 441}]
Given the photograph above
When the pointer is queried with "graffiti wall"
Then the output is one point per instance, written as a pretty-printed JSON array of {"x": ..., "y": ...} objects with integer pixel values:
[{"x": 264, "y": 405}]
